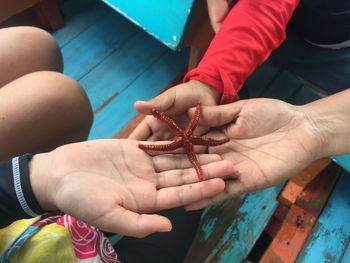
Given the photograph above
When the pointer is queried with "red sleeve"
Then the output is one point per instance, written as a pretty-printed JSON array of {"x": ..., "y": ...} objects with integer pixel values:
[{"x": 251, "y": 30}]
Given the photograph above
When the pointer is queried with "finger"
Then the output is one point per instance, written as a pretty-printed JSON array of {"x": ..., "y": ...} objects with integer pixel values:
[
  {"x": 219, "y": 115},
  {"x": 221, "y": 169},
  {"x": 162, "y": 102},
  {"x": 181, "y": 150},
  {"x": 232, "y": 188},
  {"x": 143, "y": 131},
  {"x": 128, "y": 223},
  {"x": 182, "y": 195},
  {"x": 171, "y": 162}
]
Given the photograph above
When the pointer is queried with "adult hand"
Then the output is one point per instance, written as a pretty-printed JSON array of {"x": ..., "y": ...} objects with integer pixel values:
[
  {"x": 271, "y": 142},
  {"x": 111, "y": 184},
  {"x": 217, "y": 10},
  {"x": 174, "y": 102}
]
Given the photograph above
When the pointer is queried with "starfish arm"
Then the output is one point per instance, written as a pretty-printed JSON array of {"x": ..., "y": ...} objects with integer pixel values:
[
  {"x": 162, "y": 147},
  {"x": 196, "y": 140},
  {"x": 194, "y": 121},
  {"x": 194, "y": 161},
  {"x": 168, "y": 121}
]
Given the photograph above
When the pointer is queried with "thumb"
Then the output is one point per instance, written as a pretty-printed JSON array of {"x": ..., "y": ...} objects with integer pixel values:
[
  {"x": 163, "y": 102},
  {"x": 213, "y": 116},
  {"x": 128, "y": 223}
]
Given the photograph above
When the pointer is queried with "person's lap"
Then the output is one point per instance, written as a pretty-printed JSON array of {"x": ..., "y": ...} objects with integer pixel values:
[{"x": 40, "y": 108}]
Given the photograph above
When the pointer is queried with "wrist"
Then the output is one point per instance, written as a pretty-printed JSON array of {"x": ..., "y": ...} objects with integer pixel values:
[
  {"x": 39, "y": 169},
  {"x": 213, "y": 93},
  {"x": 326, "y": 128}
]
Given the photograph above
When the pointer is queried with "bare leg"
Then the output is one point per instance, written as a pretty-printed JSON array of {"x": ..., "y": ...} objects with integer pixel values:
[
  {"x": 25, "y": 50},
  {"x": 40, "y": 111}
]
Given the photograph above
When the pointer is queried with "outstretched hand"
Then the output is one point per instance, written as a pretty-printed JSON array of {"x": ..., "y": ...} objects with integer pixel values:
[
  {"x": 112, "y": 184},
  {"x": 271, "y": 142},
  {"x": 174, "y": 102}
]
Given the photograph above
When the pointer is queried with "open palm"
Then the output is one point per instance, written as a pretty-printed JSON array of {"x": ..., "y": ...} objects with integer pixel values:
[
  {"x": 111, "y": 183},
  {"x": 271, "y": 142}
]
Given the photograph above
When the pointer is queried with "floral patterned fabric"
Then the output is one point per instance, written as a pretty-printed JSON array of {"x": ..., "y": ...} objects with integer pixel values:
[{"x": 59, "y": 238}]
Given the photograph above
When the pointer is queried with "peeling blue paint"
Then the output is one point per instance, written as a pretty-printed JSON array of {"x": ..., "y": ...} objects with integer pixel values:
[
  {"x": 330, "y": 236},
  {"x": 208, "y": 228}
]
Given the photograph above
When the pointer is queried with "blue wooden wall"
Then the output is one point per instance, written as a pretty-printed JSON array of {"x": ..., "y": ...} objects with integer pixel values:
[{"x": 165, "y": 20}]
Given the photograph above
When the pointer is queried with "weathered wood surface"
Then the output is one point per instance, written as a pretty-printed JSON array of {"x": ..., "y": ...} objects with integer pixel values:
[
  {"x": 346, "y": 256},
  {"x": 116, "y": 62},
  {"x": 229, "y": 230},
  {"x": 331, "y": 234},
  {"x": 120, "y": 110},
  {"x": 301, "y": 217},
  {"x": 297, "y": 184}
]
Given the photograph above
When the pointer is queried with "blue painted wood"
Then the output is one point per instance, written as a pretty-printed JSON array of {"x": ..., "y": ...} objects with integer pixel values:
[
  {"x": 121, "y": 68},
  {"x": 331, "y": 234},
  {"x": 346, "y": 256},
  {"x": 230, "y": 229},
  {"x": 78, "y": 16},
  {"x": 343, "y": 161},
  {"x": 120, "y": 110},
  {"x": 253, "y": 217},
  {"x": 165, "y": 20},
  {"x": 96, "y": 43}
]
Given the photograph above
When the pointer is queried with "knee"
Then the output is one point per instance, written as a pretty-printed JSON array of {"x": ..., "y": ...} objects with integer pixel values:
[
  {"x": 72, "y": 100},
  {"x": 64, "y": 95},
  {"x": 39, "y": 48}
]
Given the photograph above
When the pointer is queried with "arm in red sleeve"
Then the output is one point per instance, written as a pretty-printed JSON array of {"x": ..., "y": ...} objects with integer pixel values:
[{"x": 251, "y": 30}]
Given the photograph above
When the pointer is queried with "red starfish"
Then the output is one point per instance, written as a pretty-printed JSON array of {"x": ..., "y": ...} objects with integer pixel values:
[{"x": 184, "y": 138}]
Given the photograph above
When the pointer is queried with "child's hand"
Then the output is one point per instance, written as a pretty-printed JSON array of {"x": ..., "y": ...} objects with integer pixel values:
[
  {"x": 174, "y": 102},
  {"x": 112, "y": 184}
]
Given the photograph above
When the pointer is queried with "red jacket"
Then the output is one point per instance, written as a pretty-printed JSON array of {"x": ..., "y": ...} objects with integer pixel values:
[{"x": 251, "y": 30}]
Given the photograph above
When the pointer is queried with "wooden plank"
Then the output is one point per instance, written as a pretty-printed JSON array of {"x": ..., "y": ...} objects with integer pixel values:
[
  {"x": 121, "y": 68},
  {"x": 120, "y": 110},
  {"x": 127, "y": 130},
  {"x": 297, "y": 184},
  {"x": 301, "y": 218},
  {"x": 164, "y": 20},
  {"x": 330, "y": 237},
  {"x": 95, "y": 44},
  {"x": 276, "y": 220},
  {"x": 346, "y": 256},
  {"x": 79, "y": 15},
  {"x": 228, "y": 231}
]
